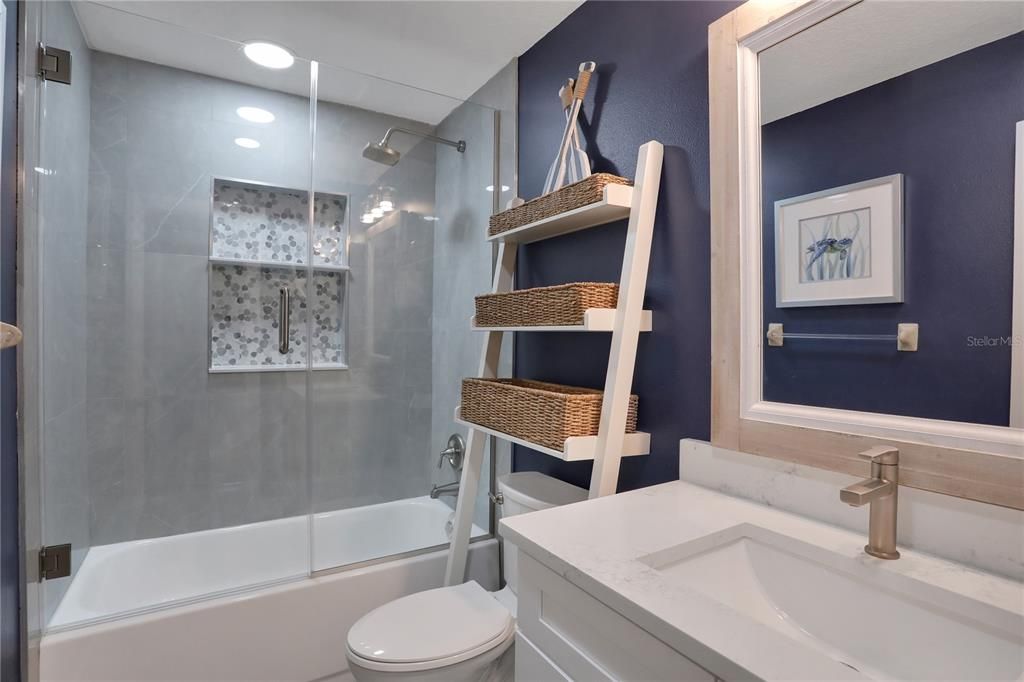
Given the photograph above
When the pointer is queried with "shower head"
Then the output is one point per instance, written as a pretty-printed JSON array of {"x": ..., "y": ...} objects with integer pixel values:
[{"x": 381, "y": 152}]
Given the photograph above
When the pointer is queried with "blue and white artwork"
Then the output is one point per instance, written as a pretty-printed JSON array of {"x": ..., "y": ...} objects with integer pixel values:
[
  {"x": 841, "y": 246},
  {"x": 836, "y": 246}
]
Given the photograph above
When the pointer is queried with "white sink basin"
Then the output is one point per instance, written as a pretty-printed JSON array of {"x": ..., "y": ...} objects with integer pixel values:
[{"x": 884, "y": 625}]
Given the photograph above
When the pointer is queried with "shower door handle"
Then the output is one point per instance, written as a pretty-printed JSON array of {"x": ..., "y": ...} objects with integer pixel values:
[{"x": 284, "y": 310}]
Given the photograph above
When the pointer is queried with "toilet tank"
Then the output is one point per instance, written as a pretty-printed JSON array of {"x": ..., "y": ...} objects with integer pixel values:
[{"x": 527, "y": 491}]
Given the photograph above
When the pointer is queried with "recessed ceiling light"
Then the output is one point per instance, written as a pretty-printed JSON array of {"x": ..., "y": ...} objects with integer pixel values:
[
  {"x": 255, "y": 114},
  {"x": 377, "y": 212},
  {"x": 430, "y": 218},
  {"x": 247, "y": 143},
  {"x": 269, "y": 55},
  {"x": 367, "y": 218},
  {"x": 490, "y": 188}
]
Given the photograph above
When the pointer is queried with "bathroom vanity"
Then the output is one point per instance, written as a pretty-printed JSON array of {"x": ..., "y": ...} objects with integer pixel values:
[{"x": 683, "y": 582}]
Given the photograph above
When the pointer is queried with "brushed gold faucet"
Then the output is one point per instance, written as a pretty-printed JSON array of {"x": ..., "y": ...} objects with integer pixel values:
[{"x": 881, "y": 492}]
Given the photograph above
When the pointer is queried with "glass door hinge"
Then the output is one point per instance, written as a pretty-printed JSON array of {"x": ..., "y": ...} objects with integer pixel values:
[
  {"x": 55, "y": 65},
  {"x": 54, "y": 562}
]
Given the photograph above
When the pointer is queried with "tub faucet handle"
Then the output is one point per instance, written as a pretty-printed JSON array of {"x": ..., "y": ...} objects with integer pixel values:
[{"x": 453, "y": 453}]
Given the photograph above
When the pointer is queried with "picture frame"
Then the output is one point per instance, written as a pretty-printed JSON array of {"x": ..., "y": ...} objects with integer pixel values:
[{"x": 841, "y": 246}]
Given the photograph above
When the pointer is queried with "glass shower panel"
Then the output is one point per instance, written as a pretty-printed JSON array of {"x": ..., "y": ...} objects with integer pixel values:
[
  {"x": 417, "y": 254},
  {"x": 178, "y": 284}
]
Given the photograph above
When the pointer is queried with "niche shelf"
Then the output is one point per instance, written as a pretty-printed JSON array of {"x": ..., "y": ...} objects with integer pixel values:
[
  {"x": 272, "y": 264},
  {"x": 259, "y": 249}
]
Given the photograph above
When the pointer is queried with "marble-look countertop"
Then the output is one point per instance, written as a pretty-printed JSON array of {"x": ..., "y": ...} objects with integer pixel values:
[{"x": 597, "y": 545}]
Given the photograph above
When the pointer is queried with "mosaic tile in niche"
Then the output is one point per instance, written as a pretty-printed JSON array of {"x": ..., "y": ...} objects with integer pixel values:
[
  {"x": 263, "y": 223},
  {"x": 330, "y": 233},
  {"x": 245, "y": 312}
]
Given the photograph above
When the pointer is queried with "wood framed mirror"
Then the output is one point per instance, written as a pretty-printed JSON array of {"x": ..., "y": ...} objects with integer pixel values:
[{"x": 954, "y": 408}]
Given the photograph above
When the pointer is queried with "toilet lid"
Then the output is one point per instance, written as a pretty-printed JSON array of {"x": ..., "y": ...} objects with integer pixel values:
[{"x": 436, "y": 624}]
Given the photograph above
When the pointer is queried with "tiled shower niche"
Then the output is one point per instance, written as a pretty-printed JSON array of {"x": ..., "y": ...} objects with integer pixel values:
[
  {"x": 258, "y": 248},
  {"x": 262, "y": 224}
]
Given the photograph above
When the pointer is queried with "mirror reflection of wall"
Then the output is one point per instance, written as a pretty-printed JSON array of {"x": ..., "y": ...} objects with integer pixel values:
[{"x": 929, "y": 93}]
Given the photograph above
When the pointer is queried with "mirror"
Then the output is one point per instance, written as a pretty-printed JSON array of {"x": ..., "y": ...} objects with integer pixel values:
[{"x": 891, "y": 157}]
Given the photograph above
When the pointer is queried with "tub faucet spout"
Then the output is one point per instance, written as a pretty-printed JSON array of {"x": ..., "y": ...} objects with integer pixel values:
[{"x": 446, "y": 489}]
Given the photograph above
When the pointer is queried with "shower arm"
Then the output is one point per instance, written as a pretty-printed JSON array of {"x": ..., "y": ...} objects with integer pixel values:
[{"x": 460, "y": 146}]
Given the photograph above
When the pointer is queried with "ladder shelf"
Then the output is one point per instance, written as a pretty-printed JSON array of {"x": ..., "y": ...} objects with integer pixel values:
[
  {"x": 614, "y": 205},
  {"x": 576, "y": 448},
  {"x": 594, "y": 320},
  {"x": 625, "y": 323}
]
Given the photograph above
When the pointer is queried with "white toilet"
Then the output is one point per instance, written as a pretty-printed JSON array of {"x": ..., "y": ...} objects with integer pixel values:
[{"x": 458, "y": 633}]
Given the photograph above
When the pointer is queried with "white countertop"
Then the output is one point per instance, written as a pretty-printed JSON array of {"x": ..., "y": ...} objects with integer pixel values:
[{"x": 597, "y": 544}]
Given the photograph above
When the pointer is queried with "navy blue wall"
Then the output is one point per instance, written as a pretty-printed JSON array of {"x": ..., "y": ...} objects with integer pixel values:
[
  {"x": 652, "y": 83},
  {"x": 949, "y": 128},
  {"x": 10, "y": 580}
]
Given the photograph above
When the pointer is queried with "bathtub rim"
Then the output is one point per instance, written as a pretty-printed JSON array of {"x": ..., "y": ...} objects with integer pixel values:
[{"x": 242, "y": 590}]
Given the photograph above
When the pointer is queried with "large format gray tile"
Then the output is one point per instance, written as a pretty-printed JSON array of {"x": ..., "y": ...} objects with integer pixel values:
[{"x": 176, "y": 450}]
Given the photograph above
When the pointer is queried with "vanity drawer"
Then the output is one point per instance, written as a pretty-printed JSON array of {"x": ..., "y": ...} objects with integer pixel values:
[
  {"x": 586, "y": 639},
  {"x": 533, "y": 666}
]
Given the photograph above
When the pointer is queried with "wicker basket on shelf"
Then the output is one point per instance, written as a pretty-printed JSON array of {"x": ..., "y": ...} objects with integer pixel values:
[
  {"x": 536, "y": 411},
  {"x": 590, "y": 190},
  {"x": 561, "y": 305}
]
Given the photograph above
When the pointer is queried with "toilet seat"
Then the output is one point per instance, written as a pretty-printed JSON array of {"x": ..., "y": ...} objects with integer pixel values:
[{"x": 431, "y": 629}]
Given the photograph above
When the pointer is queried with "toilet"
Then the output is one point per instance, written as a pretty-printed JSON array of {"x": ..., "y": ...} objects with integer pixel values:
[{"x": 458, "y": 633}]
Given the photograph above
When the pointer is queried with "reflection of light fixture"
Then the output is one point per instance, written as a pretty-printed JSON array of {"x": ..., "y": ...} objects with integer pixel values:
[
  {"x": 247, "y": 143},
  {"x": 377, "y": 212},
  {"x": 504, "y": 188},
  {"x": 269, "y": 55},
  {"x": 367, "y": 216},
  {"x": 386, "y": 198},
  {"x": 255, "y": 114},
  {"x": 431, "y": 218}
]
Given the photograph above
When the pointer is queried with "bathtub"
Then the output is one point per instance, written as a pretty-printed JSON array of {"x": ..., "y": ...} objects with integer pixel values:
[{"x": 144, "y": 575}]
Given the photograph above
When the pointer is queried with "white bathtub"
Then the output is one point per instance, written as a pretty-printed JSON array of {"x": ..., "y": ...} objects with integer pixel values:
[
  {"x": 143, "y": 575},
  {"x": 286, "y": 633},
  {"x": 340, "y": 538}
]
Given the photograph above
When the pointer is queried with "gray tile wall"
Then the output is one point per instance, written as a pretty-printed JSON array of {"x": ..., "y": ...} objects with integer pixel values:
[
  {"x": 371, "y": 424},
  {"x": 372, "y": 428},
  {"x": 63, "y": 197},
  {"x": 171, "y": 448},
  {"x": 462, "y": 255}
]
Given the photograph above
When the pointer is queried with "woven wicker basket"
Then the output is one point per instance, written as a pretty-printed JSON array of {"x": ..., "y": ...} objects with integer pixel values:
[
  {"x": 587, "y": 191},
  {"x": 563, "y": 304},
  {"x": 536, "y": 411}
]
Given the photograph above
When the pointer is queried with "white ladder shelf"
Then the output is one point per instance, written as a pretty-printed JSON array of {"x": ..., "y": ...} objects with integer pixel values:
[{"x": 639, "y": 203}]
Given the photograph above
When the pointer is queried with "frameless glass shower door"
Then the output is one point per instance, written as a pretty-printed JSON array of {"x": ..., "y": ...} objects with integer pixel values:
[
  {"x": 248, "y": 296},
  {"x": 419, "y": 170},
  {"x": 172, "y": 272}
]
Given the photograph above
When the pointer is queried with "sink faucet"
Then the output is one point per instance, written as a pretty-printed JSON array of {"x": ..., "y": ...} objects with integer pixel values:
[{"x": 880, "y": 491}]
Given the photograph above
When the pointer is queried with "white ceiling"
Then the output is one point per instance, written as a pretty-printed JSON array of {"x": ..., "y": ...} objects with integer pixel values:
[
  {"x": 874, "y": 41},
  {"x": 450, "y": 47}
]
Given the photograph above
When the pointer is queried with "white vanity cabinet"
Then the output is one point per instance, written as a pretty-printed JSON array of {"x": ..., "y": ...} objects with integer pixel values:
[{"x": 566, "y": 634}]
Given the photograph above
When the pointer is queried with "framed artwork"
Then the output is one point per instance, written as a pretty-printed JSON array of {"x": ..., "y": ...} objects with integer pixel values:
[{"x": 841, "y": 246}]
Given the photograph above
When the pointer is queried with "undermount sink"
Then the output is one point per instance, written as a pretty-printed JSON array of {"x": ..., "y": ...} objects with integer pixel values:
[{"x": 882, "y": 624}]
